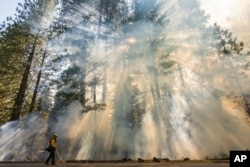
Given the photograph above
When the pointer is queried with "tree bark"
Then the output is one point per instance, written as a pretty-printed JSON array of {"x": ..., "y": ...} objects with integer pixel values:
[
  {"x": 16, "y": 111},
  {"x": 38, "y": 80}
]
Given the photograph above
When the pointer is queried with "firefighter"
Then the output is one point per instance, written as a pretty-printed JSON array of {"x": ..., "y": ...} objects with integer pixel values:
[{"x": 52, "y": 150}]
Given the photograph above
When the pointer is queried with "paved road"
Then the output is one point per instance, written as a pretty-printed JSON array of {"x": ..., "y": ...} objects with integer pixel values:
[{"x": 127, "y": 164}]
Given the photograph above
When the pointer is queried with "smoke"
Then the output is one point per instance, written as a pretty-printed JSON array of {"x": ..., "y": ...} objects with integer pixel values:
[
  {"x": 24, "y": 139},
  {"x": 166, "y": 91}
]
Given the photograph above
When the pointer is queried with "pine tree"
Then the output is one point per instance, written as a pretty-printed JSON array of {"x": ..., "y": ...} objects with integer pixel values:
[
  {"x": 227, "y": 47},
  {"x": 30, "y": 15},
  {"x": 13, "y": 43}
]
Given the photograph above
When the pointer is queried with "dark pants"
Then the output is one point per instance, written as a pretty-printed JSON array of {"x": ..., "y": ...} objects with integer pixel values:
[{"x": 52, "y": 156}]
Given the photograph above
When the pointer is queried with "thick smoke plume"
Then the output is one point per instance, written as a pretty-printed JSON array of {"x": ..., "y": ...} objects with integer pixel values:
[{"x": 166, "y": 90}]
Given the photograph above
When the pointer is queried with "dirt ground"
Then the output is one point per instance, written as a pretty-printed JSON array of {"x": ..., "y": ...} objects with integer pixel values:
[{"x": 121, "y": 164}]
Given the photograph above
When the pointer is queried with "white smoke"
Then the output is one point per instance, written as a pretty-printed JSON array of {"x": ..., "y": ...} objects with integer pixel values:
[
  {"x": 24, "y": 139},
  {"x": 186, "y": 108}
]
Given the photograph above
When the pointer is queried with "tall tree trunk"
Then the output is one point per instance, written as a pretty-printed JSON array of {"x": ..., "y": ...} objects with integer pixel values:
[
  {"x": 82, "y": 97},
  {"x": 94, "y": 92},
  {"x": 155, "y": 72},
  {"x": 16, "y": 111},
  {"x": 83, "y": 90},
  {"x": 181, "y": 75},
  {"x": 104, "y": 87},
  {"x": 38, "y": 80},
  {"x": 98, "y": 45}
]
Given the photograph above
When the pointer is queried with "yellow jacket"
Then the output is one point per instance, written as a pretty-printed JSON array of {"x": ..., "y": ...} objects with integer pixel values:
[{"x": 52, "y": 143}]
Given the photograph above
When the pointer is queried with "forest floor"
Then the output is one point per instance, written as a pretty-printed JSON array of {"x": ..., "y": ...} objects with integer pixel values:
[{"x": 219, "y": 163}]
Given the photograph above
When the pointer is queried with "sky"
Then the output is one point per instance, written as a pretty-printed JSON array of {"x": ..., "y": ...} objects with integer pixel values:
[
  {"x": 219, "y": 10},
  {"x": 225, "y": 11},
  {"x": 233, "y": 15},
  {"x": 8, "y": 8},
  {"x": 230, "y": 14}
]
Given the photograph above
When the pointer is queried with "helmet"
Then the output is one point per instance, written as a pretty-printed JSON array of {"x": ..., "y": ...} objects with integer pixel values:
[{"x": 55, "y": 135}]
